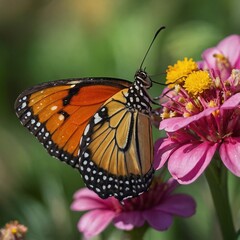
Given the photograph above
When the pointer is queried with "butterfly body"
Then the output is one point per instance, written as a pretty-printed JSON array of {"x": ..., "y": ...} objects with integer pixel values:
[{"x": 101, "y": 126}]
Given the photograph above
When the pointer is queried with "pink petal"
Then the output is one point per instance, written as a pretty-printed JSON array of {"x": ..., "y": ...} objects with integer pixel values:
[
  {"x": 190, "y": 160},
  {"x": 129, "y": 220},
  {"x": 230, "y": 154},
  {"x": 230, "y": 48},
  {"x": 162, "y": 150},
  {"x": 94, "y": 222},
  {"x": 232, "y": 102},
  {"x": 179, "y": 205},
  {"x": 207, "y": 56},
  {"x": 85, "y": 199},
  {"x": 158, "y": 220},
  {"x": 175, "y": 123}
]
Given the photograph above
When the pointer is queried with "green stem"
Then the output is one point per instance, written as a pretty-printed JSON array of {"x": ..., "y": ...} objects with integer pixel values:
[
  {"x": 216, "y": 175},
  {"x": 136, "y": 233}
]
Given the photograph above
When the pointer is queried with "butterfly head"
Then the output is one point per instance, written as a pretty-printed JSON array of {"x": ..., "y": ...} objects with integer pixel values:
[{"x": 143, "y": 77}]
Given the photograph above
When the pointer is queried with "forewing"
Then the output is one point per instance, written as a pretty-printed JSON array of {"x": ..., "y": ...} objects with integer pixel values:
[{"x": 57, "y": 112}]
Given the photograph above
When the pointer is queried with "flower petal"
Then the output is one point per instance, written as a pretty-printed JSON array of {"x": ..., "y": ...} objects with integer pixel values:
[
  {"x": 209, "y": 59},
  {"x": 190, "y": 160},
  {"x": 129, "y": 220},
  {"x": 176, "y": 123},
  {"x": 230, "y": 48},
  {"x": 178, "y": 204},
  {"x": 232, "y": 102},
  {"x": 85, "y": 199},
  {"x": 230, "y": 152},
  {"x": 94, "y": 222},
  {"x": 158, "y": 220},
  {"x": 162, "y": 149}
]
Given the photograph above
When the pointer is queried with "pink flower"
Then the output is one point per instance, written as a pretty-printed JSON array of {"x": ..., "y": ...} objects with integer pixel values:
[
  {"x": 201, "y": 113},
  {"x": 222, "y": 58},
  {"x": 156, "y": 207}
]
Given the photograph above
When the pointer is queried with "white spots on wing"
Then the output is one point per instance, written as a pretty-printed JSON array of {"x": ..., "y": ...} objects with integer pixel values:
[
  {"x": 28, "y": 114},
  {"x": 24, "y": 105},
  {"x": 86, "y": 129},
  {"x": 97, "y": 118},
  {"x": 53, "y": 108},
  {"x": 73, "y": 83},
  {"x": 61, "y": 117}
]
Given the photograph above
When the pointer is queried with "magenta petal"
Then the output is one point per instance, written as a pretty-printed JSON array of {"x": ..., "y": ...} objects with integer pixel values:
[
  {"x": 129, "y": 220},
  {"x": 190, "y": 160},
  {"x": 94, "y": 222},
  {"x": 232, "y": 102},
  {"x": 158, "y": 220},
  {"x": 230, "y": 47},
  {"x": 230, "y": 154},
  {"x": 85, "y": 199},
  {"x": 179, "y": 205},
  {"x": 207, "y": 56},
  {"x": 162, "y": 150},
  {"x": 176, "y": 123}
]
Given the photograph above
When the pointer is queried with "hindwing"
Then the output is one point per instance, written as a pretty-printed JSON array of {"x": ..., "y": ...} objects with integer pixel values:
[{"x": 116, "y": 150}]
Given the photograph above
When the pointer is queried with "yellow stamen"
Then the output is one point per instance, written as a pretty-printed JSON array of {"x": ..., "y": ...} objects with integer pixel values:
[
  {"x": 212, "y": 104},
  {"x": 190, "y": 107},
  {"x": 197, "y": 82},
  {"x": 172, "y": 114},
  {"x": 14, "y": 230},
  {"x": 165, "y": 115},
  {"x": 221, "y": 60},
  {"x": 177, "y": 73},
  {"x": 186, "y": 114}
]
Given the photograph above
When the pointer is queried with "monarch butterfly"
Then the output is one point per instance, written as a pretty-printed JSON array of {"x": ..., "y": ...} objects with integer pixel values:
[{"x": 101, "y": 126}]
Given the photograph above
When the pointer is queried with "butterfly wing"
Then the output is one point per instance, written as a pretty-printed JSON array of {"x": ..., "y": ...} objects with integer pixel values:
[
  {"x": 57, "y": 112},
  {"x": 117, "y": 150}
]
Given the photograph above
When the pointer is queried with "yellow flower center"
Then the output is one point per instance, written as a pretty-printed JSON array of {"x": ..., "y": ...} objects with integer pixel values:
[
  {"x": 177, "y": 73},
  {"x": 197, "y": 82}
]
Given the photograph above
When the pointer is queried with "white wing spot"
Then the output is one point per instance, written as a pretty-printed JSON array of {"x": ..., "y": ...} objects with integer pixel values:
[
  {"x": 24, "y": 105},
  {"x": 61, "y": 117},
  {"x": 97, "y": 118},
  {"x": 54, "y": 108},
  {"x": 86, "y": 129}
]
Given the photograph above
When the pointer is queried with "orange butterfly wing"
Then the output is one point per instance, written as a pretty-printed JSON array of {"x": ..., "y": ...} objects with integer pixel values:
[
  {"x": 57, "y": 112},
  {"x": 116, "y": 150}
]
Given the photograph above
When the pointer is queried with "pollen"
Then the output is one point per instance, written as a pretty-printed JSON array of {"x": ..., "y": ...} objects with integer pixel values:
[
  {"x": 190, "y": 107},
  {"x": 177, "y": 73},
  {"x": 197, "y": 82},
  {"x": 222, "y": 60},
  {"x": 212, "y": 104}
]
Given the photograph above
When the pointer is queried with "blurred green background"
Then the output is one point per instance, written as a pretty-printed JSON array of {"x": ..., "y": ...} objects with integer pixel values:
[{"x": 54, "y": 39}]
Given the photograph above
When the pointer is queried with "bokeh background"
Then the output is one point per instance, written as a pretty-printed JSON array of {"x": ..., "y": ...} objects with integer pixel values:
[{"x": 54, "y": 39}]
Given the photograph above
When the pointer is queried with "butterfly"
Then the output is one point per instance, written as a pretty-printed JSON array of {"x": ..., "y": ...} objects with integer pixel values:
[{"x": 100, "y": 126}]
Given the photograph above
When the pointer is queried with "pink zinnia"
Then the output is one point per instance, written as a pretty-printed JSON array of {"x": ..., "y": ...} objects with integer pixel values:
[
  {"x": 201, "y": 113},
  {"x": 157, "y": 207}
]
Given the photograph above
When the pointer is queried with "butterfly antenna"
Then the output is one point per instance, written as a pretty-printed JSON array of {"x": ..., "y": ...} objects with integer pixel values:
[{"x": 156, "y": 34}]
